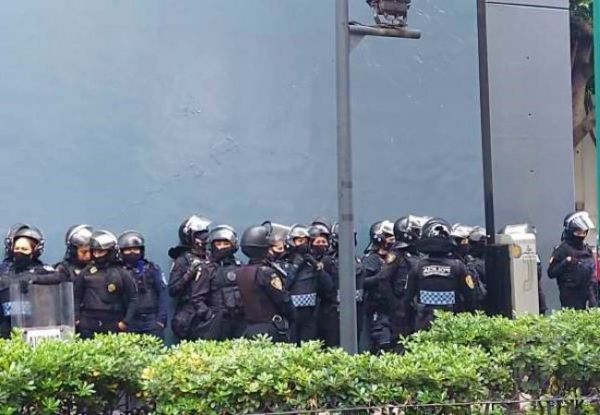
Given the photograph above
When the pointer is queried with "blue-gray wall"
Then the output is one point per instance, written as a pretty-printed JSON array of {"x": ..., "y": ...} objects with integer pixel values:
[
  {"x": 531, "y": 122},
  {"x": 135, "y": 114}
]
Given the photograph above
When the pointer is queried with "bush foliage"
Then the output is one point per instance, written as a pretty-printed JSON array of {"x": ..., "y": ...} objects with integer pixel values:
[{"x": 465, "y": 358}]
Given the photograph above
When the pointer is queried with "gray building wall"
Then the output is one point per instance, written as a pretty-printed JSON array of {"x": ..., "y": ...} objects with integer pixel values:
[
  {"x": 531, "y": 122},
  {"x": 135, "y": 114}
]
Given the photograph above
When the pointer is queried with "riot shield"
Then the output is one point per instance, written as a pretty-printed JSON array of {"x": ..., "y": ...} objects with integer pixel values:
[{"x": 43, "y": 311}]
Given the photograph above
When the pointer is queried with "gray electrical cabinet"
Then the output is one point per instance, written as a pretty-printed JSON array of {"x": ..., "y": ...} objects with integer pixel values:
[{"x": 522, "y": 267}]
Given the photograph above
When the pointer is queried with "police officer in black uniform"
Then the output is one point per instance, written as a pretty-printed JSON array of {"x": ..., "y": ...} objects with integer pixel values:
[
  {"x": 439, "y": 281},
  {"x": 278, "y": 254},
  {"x": 8, "y": 241},
  {"x": 268, "y": 308},
  {"x": 190, "y": 262},
  {"x": 105, "y": 293},
  {"x": 327, "y": 311},
  {"x": 329, "y": 326},
  {"x": 151, "y": 308},
  {"x": 572, "y": 263},
  {"x": 402, "y": 257},
  {"x": 219, "y": 300},
  {"x": 305, "y": 284},
  {"x": 27, "y": 245},
  {"x": 78, "y": 254},
  {"x": 461, "y": 233},
  {"x": 377, "y": 284}
]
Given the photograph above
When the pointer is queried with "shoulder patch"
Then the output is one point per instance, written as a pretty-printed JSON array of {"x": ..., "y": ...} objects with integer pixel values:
[
  {"x": 469, "y": 281},
  {"x": 276, "y": 282},
  {"x": 93, "y": 270},
  {"x": 391, "y": 257}
]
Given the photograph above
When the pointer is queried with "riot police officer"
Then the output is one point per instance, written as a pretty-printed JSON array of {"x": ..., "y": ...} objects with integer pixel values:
[
  {"x": 219, "y": 300},
  {"x": 268, "y": 308},
  {"x": 151, "y": 308},
  {"x": 305, "y": 284},
  {"x": 329, "y": 318},
  {"x": 190, "y": 262},
  {"x": 327, "y": 311},
  {"x": 439, "y": 281},
  {"x": 277, "y": 255},
  {"x": 105, "y": 293},
  {"x": 378, "y": 288},
  {"x": 78, "y": 253},
  {"x": 402, "y": 257},
  {"x": 8, "y": 242},
  {"x": 572, "y": 263},
  {"x": 475, "y": 265},
  {"x": 27, "y": 245}
]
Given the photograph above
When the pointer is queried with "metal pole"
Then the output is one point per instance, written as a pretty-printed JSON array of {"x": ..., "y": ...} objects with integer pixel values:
[
  {"x": 486, "y": 133},
  {"x": 348, "y": 331}
]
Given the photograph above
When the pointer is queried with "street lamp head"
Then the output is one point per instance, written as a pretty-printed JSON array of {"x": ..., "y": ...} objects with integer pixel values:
[{"x": 390, "y": 12}]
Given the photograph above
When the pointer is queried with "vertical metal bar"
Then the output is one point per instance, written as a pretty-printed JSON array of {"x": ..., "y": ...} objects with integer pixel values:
[
  {"x": 348, "y": 331},
  {"x": 486, "y": 134}
]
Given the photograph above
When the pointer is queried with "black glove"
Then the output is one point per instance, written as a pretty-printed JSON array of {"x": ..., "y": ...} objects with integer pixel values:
[
  {"x": 24, "y": 286},
  {"x": 313, "y": 262}
]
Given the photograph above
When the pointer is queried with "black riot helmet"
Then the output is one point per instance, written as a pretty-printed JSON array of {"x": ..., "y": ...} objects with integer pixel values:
[
  {"x": 478, "y": 236},
  {"x": 421, "y": 221},
  {"x": 322, "y": 223},
  {"x": 380, "y": 231},
  {"x": 33, "y": 234},
  {"x": 194, "y": 227},
  {"x": 9, "y": 239},
  {"x": 335, "y": 236},
  {"x": 256, "y": 241},
  {"x": 103, "y": 241},
  {"x": 223, "y": 233},
  {"x": 436, "y": 228},
  {"x": 319, "y": 229},
  {"x": 478, "y": 241},
  {"x": 436, "y": 238},
  {"x": 578, "y": 222},
  {"x": 77, "y": 236},
  {"x": 298, "y": 231},
  {"x": 131, "y": 239},
  {"x": 407, "y": 230},
  {"x": 277, "y": 232},
  {"x": 460, "y": 232}
]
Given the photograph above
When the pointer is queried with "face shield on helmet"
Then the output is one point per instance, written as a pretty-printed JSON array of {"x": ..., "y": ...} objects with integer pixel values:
[
  {"x": 406, "y": 231},
  {"x": 579, "y": 221},
  {"x": 382, "y": 234},
  {"x": 436, "y": 229},
  {"x": 104, "y": 247},
  {"x": 77, "y": 241},
  {"x": 34, "y": 235},
  {"x": 298, "y": 239},
  {"x": 222, "y": 242},
  {"x": 277, "y": 239},
  {"x": 194, "y": 231}
]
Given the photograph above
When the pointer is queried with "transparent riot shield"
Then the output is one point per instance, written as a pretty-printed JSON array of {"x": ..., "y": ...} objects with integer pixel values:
[{"x": 43, "y": 311}]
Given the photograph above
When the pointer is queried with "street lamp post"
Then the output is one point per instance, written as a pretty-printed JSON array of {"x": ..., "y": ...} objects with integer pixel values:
[{"x": 343, "y": 31}]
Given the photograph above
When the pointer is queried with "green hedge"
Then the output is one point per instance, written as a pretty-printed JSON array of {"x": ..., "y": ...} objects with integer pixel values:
[{"x": 466, "y": 358}]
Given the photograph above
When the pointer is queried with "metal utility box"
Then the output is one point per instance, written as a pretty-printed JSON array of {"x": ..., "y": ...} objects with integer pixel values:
[{"x": 511, "y": 269}]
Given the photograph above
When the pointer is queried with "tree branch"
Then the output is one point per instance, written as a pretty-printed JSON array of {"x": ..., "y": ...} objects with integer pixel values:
[{"x": 584, "y": 128}]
